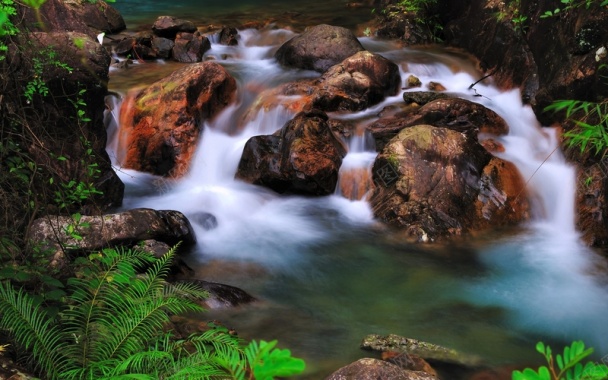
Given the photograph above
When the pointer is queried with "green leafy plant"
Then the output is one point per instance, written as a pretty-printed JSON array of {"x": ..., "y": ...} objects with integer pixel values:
[
  {"x": 568, "y": 5},
  {"x": 567, "y": 366},
  {"x": 591, "y": 121},
  {"x": 512, "y": 13},
  {"x": 7, "y": 28},
  {"x": 426, "y": 11},
  {"x": 75, "y": 192},
  {"x": 417, "y": 6},
  {"x": 112, "y": 324},
  {"x": 37, "y": 85}
]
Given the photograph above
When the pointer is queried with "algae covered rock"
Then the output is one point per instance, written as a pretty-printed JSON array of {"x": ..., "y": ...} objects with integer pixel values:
[{"x": 425, "y": 350}]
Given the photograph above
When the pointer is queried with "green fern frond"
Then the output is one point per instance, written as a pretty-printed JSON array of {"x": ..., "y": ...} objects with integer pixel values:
[
  {"x": 90, "y": 297},
  {"x": 32, "y": 329},
  {"x": 154, "y": 279},
  {"x": 143, "y": 319}
]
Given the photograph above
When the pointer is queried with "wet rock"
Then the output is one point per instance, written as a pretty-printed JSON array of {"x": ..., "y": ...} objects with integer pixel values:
[
  {"x": 303, "y": 157},
  {"x": 190, "y": 47},
  {"x": 425, "y": 350},
  {"x": 372, "y": 369},
  {"x": 125, "y": 46},
  {"x": 228, "y": 36},
  {"x": 161, "y": 124},
  {"x": 422, "y": 97},
  {"x": 408, "y": 361},
  {"x": 162, "y": 47},
  {"x": 86, "y": 17},
  {"x": 169, "y": 27},
  {"x": 453, "y": 113},
  {"x": 412, "y": 82},
  {"x": 433, "y": 183},
  {"x": 178, "y": 269},
  {"x": 156, "y": 248},
  {"x": 137, "y": 47},
  {"x": 102, "y": 17},
  {"x": 204, "y": 219},
  {"x": 318, "y": 48},
  {"x": 63, "y": 235},
  {"x": 360, "y": 81},
  {"x": 437, "y": 87},
  {"x": 354, "y": 183},
  {"x": 223, "y": 296}
]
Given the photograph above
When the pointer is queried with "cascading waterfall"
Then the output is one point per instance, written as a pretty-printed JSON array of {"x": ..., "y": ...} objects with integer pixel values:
[{"x": 539, "y": 276}]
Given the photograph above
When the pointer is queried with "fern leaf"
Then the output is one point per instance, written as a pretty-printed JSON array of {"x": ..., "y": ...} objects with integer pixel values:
[
  {"x": 91, "y": 296},
  {"x": 31, "y": 328}
]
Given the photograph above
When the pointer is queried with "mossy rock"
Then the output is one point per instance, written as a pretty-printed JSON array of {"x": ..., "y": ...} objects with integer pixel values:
[{"x": 425, "y": 350}]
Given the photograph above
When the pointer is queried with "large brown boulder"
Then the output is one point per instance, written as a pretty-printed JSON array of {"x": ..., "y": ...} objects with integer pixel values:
[
  {"x": 318, "y": 48},
  {"x": 549, "y": 58},
  {"x": 372, "y": 369},
  {"x": 190, "y": 47},
  {"x": 161, "y": 124},
  {"x": 453, "y": 113},
  {"x": 168, "y": 27},
  {"x": 359, "y": 81},
  {"x": 433, "y": 183},
  {"x": 303, "y": 157},
  {"x": 82, "y": 16},
  {"x": 60, "y": 235}
]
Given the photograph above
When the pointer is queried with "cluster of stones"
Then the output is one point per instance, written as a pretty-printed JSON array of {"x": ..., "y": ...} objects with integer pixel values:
[
  {"x": 171, "y": 38},
  {"x": 433, "y": 177}
]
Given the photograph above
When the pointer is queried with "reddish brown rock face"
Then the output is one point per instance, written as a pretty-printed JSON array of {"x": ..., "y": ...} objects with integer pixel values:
[
  {"x": 453, "y": 113},
  {"x": 360, "y": 81},
  {"x": 435, "y": 182},
  {"x": 303, "y": 157},
  {"x": 162, "y": 123},
  {"x": 368, "y": 368}
]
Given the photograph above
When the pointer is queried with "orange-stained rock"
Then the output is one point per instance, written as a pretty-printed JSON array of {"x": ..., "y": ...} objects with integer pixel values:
[
  {"x": 408, "y": 361},
  {"x": 502, "y": 197},
  {"x": 160, "y": 125},
  {"x": 368, "y": 368},
  {"x": 359, "y": 81},
  {"x": 492, "y": 146},
  {"x": 435, "y": 182},
  {"x": 355, "y": 183}
]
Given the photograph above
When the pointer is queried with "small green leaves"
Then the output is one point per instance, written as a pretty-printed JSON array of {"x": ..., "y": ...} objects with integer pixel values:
[
  {"x": 268, "y": 362},
  {"x": 591, "y": 124},
  {"x": 569, "y": 366},
  {"x": 530, "y": 374}
]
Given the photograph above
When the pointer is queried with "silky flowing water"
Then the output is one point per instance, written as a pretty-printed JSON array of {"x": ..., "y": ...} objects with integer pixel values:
[{"x": 326, "y": 273}]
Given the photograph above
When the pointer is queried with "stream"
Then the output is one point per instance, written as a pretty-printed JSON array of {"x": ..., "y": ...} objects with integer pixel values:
[{"x": 326, "y": 273}]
